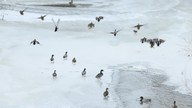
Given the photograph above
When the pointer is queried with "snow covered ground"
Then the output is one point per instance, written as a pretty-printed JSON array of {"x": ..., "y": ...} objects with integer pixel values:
[{"x": 26, "y": 71}]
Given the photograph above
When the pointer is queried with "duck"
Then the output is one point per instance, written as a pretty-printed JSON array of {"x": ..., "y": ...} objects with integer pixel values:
[
  {"x": 152, "y": 44},
  {"x": 65, "y": 55},
  {"x": 135, "y": 31},
  {"x": 106, "y": 93},
  {"x": 91, "y": 25},
  {"x": 52, "y": 58},
  {"x": 56, "y": 24},
  {"x": 142, "y": 100},
  {"x": 35, "y": 42},
  {"x": 84, "y": 72},
  {"x": 174, "y": 104},
  {"x": 143, "y": 40},
  {"x": 42, "y": 17},
  {"x": 99, "y": 75},
  {"x": 115, "y": 32},
  {"x": 101, "y": 17},
  {"x": 74, "y": 60},
  {"x": 22, "y": 11},
  {"x": 138, "y": 26},
  {"x": 54, "y": 73}
]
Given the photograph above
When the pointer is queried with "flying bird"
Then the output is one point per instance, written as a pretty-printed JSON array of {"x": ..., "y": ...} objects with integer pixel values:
[
  {"x": 115, "y": 32},
  {"x": 22, "y": 11},
  {"x": 99, "y": 18},
  {"x": 138, "y": 26},
  {"x": 56, "y": 24},
  {"x": 135, "y": 31},
  {"x": 42, "y": 17},
  {"x": 35, "y": 42},
  {"x": 91, "y": 25}
]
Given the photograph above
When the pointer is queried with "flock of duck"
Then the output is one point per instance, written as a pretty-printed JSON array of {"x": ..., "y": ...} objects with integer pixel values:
[{"x": 91, "y": 25}]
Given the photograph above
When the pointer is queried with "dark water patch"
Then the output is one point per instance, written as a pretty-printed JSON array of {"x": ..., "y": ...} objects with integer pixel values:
[
  {"x": 66, "y": 5},
  {"x": 130, "y": 84}
]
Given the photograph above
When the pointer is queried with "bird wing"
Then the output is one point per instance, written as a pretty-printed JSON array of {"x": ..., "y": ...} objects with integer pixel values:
[
  {"x": 37, "y": 42},
  {"x": 31, "y": 42},
  {"x": 58, "y": 22},
  {"x": 53, "y": 21}
]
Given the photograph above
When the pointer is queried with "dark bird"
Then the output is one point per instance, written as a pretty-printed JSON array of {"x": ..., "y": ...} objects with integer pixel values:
[
  {"x": 174, "y": 104},
  {"x": 142, "y": 100},
  {"x": 42, "y": 17},
  {"x": 52, "y": 58},
  {"x": 22, "y": 11},
  {"x": 74, "y": 60},
  {"x": 101, "y": 17},
  {"x": 98, "y": 19},
  {"x": 138, "y": 26},
  {"x": 65, "y": 55},
  {"x": 91, "y": 25},
  {"x": 143, "y": 40},
  {"x": 115, "y": 32},
  {"x": 99, "y": 75},
  {"x": 84, "y": 72},
  {"x": 106, "y": 93},
  {"x": 35, "y": 42},
  {"x": 135, "y": 31},
  {"x": 152, "y": 44},
  {"x": 54, "y": 73},
  {"x": 56, "y": 24}
]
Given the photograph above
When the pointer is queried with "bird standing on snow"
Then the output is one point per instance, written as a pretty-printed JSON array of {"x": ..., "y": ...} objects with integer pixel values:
[
  {"x": 99, "y": 75},
  {"x": 138, "y": 26},
  {"x": 106, "y": 93},
  {"x": 52, "y": 58},
  {"x": 84, "y": 72},
  {"x": 42, "y": 17},
  {"x": 65, "y": 55},
  {"x": 142, "y": 100},
  {"x": 54, "y": 73},
  {"x": 74, "y": 60},
  {"x": 174, "y": 104},
  {"x": 22, "y": 11},
  {"x": 34, "y": 42},
  {"x": 115, "y": 32}
]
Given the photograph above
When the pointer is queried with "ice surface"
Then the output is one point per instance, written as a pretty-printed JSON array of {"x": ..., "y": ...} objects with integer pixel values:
[{"x": 26, "y": 72}]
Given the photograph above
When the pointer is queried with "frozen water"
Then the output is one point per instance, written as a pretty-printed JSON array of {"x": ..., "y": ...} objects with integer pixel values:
[{"x": 26, "y": 72}]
